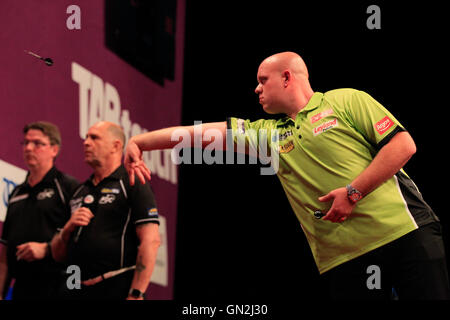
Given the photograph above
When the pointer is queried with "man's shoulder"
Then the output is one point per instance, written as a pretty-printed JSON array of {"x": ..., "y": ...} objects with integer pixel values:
[
  {"x": 67, "y": 180},
  {"x": 344, "y": 98},
  {"x": 17, "y": 189},
  {"x": 342, "y": 92}
]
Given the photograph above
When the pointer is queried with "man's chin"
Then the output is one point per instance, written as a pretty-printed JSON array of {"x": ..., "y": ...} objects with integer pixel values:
[
  {"x": 30, "y": 163},
  {"x": 91, "y": 162},
  {"x": 269, "y": 110}
]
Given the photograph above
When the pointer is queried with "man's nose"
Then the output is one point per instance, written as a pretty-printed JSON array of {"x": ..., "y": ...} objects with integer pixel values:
[
  {"x": 258, "y": 89},
  {"x": 28, "y": 145}
]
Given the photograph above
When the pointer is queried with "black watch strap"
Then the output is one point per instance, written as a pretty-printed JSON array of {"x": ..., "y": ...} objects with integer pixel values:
[
  {"x": 135, "y": 293},
  {"x": 48, "y": 250}
]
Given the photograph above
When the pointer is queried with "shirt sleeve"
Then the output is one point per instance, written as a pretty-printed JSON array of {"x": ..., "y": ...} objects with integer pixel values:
[
  {"x": 67, "y": 186},
  {"x": 143, "y": 205},
  {"x": 4, "y": 234},
  {"x": 5, "y": 226},
  {"x": 371, "y": 119},
  {"x": 244, "y": 133}
]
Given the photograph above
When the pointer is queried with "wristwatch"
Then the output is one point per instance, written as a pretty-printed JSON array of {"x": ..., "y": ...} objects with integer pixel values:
[
  {"x": 353, "y": 195},
  {"x": 135, "y": 293}
]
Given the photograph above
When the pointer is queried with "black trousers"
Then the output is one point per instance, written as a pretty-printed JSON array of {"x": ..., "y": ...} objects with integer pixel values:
[
  {"x": 39, "y": 286},
  {"x": 412, "y": 267}
]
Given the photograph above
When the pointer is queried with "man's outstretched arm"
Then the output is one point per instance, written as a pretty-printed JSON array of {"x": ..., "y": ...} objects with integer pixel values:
[{"x": 166, "y": 138}]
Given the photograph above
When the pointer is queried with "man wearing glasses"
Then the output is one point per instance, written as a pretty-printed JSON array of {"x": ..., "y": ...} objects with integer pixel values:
[{"x": 36, "y": 210}]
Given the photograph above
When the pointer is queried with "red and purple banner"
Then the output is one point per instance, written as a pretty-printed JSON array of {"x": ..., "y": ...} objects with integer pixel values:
[{"x": 92, "y": 78}]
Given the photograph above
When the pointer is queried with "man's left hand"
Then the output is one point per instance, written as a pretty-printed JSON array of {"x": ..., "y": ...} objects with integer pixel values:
[
  {"x": 31, "y": 251},
  {"x": 341, "y": 207}
]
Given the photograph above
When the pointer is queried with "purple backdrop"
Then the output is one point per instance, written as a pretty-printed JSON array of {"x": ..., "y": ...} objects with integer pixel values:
[{"x": 87, "y": 83}]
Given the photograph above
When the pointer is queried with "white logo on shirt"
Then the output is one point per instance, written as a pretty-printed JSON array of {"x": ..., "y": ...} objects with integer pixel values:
[
  {"x": 47, "y": 193},
  {"x": 109, "y": 198}
]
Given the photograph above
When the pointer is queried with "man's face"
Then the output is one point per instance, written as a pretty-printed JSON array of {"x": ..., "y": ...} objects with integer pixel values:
[
  {"x": 97, "y": 146},
  {"x": 270, "y": 88},
  {"x": 37, "y": 150}
]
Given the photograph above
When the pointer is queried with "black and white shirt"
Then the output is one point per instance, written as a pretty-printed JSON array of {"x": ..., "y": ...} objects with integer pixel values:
[
  {"x": 110, "y": 242},
  {"x": 34, "y": 215}
]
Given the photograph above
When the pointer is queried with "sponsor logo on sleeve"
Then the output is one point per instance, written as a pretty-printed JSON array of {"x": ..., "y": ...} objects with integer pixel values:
[
  {"x": 383, "y": 125},
  {"x": 325, "y": 127},
  {"x": 153, "y": 213}
]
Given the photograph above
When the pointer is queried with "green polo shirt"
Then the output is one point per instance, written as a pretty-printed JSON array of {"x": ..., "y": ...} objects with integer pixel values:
[{"x": 332, "y": 140}]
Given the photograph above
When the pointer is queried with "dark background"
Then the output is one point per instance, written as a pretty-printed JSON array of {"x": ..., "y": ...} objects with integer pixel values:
[{"x": 237, "y": 235}]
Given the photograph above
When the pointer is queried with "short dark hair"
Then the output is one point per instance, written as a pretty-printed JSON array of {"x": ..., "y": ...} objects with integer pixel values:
[{"x": 47, "y": 128}]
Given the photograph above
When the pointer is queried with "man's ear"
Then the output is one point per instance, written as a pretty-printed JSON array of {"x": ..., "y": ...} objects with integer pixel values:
[
  {"x": 286, "y": 77},
  {"x": 117, "y": 145},
  {"x": 55, "y": 149}
]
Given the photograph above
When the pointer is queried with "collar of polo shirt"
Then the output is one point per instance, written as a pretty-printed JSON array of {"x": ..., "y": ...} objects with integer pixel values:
[{"x": 313, "y": 103}]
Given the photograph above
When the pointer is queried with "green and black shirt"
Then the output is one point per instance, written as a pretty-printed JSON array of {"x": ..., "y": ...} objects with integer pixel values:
[{"x": 331, "y": 141}]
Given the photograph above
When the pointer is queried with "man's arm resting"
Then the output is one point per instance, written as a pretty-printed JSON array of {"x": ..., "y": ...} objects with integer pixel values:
[
  {"x": 59, "y": 245},
  {"x": 389, "y": 160},
  {"x": 148, "y": 235}
]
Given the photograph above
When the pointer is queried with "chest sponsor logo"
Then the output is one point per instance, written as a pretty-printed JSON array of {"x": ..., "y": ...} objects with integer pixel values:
[
  {"x": 45, "y": 194},
  {"x": 88, "y": 199},
  {"x": 321, "y": 115},
  {"x": 383, "y": 125},
  {"x": 325, "y": 127},
  {"x": 110, "y": 190},
  {"x": 284, "y": 136},
  {"x": 288, "y": 147},
  {"x": 108, "y": 198}
]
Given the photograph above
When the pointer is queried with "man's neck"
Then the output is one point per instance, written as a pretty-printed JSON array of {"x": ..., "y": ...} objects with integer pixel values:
[
  {"x": 38, "y": 173},
  {"x": 300, "y": 102},
  {"x": 101, "y": 172}
]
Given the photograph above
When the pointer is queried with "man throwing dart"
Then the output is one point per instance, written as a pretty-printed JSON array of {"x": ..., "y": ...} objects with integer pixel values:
[{"x": 341, "y": 153}]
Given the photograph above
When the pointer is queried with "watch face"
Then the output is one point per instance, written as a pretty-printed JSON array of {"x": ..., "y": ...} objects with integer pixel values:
[
  {"x": 136, "y": 293},
  {"x": 355, "y": 197}
]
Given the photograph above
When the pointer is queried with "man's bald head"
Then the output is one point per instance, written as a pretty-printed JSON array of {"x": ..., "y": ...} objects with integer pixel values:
[
  {"x": 117, "y": 132},
  {"x": 283, "y": 84},
  {"x": 114, "y": 130},
  {"x": 288, "y": 61}
]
